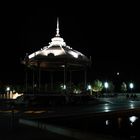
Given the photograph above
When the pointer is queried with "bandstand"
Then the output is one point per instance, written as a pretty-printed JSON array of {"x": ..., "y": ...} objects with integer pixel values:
[{"x": 56, "y": 57}]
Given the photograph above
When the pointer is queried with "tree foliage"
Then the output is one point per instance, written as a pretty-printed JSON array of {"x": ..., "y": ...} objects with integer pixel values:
[{"x": 97, "y": 86}]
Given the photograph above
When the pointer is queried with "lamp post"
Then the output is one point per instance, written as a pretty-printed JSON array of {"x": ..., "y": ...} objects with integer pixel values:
[
  {"x": 106, "y": 85},
  {"x": 131, "y": 85},
  {"x": 8, "y": 92},
  {"x": 89, "y": 88}
]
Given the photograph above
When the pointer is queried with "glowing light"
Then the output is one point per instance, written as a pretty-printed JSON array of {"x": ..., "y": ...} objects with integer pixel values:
[
  {"x": 63, "y": 87},
  {"x": 131, "y": 85},
  {"x": 57, "y": 41},
  {"x": 45, "y": 52},
  {"x": 54, "y": 52},
  {"x": 106, "y": 108},
  {"x": 106, "y": 85},
  {"x": 107, "y": 122},
  {"x": 89, "y": 87},
  {"x": 74, "y": 54},
  {"x": 118, "y": 73},
  {"x": 131, "y": 105},
  {"x": 16, "y": 95},
  {"x": 7, "y": 88},
  {"x": 133, "y": 119},
  {"x": 77, "y": 91},
  {"x": 33, "y": 54}
]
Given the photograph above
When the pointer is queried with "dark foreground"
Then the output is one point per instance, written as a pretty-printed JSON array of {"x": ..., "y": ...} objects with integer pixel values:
[
  {"x": 23, "y": 132},
  {"x": 26, "y": 132},
  {"x": 102, "y": 128},
  {"x": 113, "y": 123}
]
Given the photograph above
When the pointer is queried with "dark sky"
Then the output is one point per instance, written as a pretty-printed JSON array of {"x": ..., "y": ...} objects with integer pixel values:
[{"x": 107, "y": 33}]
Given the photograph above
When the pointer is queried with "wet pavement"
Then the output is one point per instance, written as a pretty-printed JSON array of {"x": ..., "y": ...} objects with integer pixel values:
[{"x": 11, "y": 129}]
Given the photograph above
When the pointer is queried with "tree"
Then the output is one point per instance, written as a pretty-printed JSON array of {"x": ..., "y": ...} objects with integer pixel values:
[
  {"x": 97, "y": 86},
  {"x": 111, "y": 86},
  {"x": 123, "y": 87}
]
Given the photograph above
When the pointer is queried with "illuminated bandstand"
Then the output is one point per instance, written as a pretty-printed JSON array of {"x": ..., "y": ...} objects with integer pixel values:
[{"x": 57, "y": 56}]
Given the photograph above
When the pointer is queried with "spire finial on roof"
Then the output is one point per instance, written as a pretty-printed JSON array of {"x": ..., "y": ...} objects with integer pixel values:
[{"x": 57, "y": 29}]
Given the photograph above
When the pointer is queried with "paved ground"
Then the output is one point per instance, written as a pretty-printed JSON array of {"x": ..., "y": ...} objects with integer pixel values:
[
  {"x": 22, "y": 132},
  {"x": 25, "y": 133}
]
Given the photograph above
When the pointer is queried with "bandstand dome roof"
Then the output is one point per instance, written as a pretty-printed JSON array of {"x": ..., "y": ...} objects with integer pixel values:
[{"x": 56, "y": 55}]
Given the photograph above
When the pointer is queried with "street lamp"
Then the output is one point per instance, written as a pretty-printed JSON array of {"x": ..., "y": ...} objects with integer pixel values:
[
  {"x": 106, "y": 85},
  {"x": 7, "y": 89},
  {"x": 89, "y": 88},
  {"x": 7, "y": 92},
  {"x": 131, "y": 85}
]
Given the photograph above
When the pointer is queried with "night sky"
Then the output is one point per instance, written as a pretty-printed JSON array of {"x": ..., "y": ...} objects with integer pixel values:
[{"x": 107, "y": 33}]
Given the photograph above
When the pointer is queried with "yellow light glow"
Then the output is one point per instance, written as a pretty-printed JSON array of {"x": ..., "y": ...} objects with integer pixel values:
[{"x": 16, "y": 95}]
